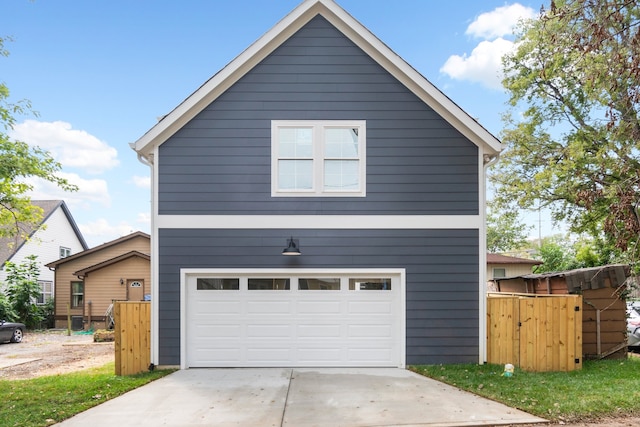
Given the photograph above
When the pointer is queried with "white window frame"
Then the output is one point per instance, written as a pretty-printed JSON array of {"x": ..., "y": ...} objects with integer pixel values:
[
  {"x": 318, "y": 127},
  {"x": 64, "y": 252},
  {"x": 46, "y": 292}
]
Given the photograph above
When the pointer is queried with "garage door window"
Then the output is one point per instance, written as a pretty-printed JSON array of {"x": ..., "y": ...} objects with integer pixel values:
[
  {"x": 268, "y": 284},
  {"x": 323, "y": 284},
  {"x": 370, "y": 284},
  {"x": 211, "y": 284}
]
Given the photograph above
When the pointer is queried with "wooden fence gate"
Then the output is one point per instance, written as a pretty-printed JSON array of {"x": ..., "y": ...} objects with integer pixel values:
[
  {"x": 536, "y": 333},
  {"x": 132, "y": 336}
]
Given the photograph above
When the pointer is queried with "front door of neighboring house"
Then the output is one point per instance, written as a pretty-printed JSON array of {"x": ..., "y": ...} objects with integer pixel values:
[{"x": 135, "y": 290}]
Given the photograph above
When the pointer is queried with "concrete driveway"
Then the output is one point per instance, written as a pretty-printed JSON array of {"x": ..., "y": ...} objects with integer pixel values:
[{"x": 298, "y": 398}]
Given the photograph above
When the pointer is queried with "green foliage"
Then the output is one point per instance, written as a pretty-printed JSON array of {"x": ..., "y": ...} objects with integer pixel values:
[
  {"x": 555, "y": 255},
  {"x": 18, "y": 163},
  {"x": 603, "y": 388},
  {"x": 23, "y": 290},
  {"x": 505, "y": 232},
  {"x": 572, "y": 134},
  {"x": 47, "y": 400},
  {"x": 6, "y": 309}
]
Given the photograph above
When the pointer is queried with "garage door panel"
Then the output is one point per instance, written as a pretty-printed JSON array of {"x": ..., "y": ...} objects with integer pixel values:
[
  {"x": 370, "y": 307},
  {"x": 205, "y": 332},
  {"x": 222, "y": 306},
  {"x": 381, "y": 331},
  {"x": 319, "y": 330},
  {"x": 262, "y": 307},
  {"x": 267, "y": 331},
  {"x": 314, "y": 306}
]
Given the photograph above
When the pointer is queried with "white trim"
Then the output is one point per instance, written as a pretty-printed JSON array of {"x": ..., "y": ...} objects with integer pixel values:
[
  {"x": 396, "y": 272},
  {"x": 284, "y": 29},
  {"x": 155, "y": 267},
  {"x": 482, "y": 259},
  {"x": 393, "y": 222},
  {"x": 318, "y": 157}
]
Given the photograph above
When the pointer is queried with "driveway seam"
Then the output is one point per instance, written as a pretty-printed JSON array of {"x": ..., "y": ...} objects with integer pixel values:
[{"x": 286, "y": 398}]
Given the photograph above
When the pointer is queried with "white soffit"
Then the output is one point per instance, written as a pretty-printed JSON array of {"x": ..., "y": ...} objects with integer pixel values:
[{"x": 284, "y": 29}]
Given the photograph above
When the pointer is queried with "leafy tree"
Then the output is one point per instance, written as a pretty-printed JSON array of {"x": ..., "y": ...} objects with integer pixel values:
[
  {"x": 23, "y": 290},
  {"x": 572, "y": 133},
  {"x": 505, "y": 232},
  {"x": 19, "y": 161},
  {"x": 556, "y": 254}
]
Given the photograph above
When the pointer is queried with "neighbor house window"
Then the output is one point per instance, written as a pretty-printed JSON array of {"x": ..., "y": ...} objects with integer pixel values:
[
  {"x": 499, "y": 273},
  {"x": 64, "y": 252},
  {"x": 318, "y": 158},
  {"x": 77, "y": 294},
  {"x": 46, "y": 292}
]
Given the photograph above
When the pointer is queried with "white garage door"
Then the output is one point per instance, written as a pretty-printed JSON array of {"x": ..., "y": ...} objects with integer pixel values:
[{"x": 278, "y": 320}]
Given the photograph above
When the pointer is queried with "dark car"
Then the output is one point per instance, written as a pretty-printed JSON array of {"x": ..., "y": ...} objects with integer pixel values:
[{"x": 12, "y": 332}]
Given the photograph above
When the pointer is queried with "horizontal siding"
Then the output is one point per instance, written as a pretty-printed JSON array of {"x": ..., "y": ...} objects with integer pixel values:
[
  {"x": 442, "y": 277},
  {"x": 220, "y": 162}
]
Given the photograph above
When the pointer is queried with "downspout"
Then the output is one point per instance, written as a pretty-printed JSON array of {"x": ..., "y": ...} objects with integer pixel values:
[{"x": 487, "y": 161}]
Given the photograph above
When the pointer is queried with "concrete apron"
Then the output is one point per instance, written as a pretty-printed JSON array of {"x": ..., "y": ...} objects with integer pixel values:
[{"x": 300, "y": 397}]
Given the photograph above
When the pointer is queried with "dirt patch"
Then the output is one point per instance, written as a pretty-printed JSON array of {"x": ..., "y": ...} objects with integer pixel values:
[{"x": 52, "y": 353}]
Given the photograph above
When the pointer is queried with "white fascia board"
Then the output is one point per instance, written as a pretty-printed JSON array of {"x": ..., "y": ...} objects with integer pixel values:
[
  {"x": 347, "y": 222},
  {"x": 291, "y": 23}
]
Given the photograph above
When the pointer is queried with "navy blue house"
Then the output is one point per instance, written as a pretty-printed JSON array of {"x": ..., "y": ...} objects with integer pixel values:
[{"x": 317, "y": 202}]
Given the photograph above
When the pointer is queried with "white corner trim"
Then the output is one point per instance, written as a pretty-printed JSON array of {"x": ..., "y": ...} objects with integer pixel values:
[{"x": 347, "y": 222}]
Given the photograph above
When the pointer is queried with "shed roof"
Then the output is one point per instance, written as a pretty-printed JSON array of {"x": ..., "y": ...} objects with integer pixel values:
[
  {"x": 284, "y": 29},
  {"x": 504, "y": 259}
]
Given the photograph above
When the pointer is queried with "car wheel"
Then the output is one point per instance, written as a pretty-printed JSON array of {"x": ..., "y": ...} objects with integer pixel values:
[{"x": 17, "y": 335}]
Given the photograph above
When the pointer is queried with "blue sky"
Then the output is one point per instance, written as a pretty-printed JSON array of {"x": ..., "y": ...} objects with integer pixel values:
[{"x": 100, "y": 74}]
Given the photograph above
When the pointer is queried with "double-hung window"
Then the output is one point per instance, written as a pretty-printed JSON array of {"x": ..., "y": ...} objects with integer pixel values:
[{"x": 318, "y": 158}]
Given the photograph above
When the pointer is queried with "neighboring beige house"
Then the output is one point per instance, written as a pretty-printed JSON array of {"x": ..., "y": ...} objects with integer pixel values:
[
  {"x": 56, "y": 236},
  {"x": 501, "y": 266},
  {"x": 89, "y": 282}
]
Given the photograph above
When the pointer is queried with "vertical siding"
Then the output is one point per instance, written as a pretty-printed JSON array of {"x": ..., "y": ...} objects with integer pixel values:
[
  {"x": 442, "y": 277},
  {"x": 219, "y": 162}
]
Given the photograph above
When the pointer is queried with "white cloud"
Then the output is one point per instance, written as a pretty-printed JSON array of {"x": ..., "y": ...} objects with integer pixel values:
[
  {"x": 142, "y": 181},
  {"x": 499, "y": 22},
  {"x": 484, "y": 65},
  {"x": 144, "y": 218},
  {"x": 91, "y": 192},
  {"x": 71, "y": 147},
  {"x": 100, "y": 231}
]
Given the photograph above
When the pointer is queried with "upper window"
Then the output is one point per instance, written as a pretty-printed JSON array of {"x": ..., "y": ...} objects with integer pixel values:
[
  {"x": 64, "y": 252},
  {"x": 318, "y": 158},
  {"x": 499, "y": 273}
]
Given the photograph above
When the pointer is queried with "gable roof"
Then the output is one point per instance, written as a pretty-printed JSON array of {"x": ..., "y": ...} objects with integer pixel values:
[
  {"x": 115, "y": 260},
  {"x": 55, "y": 264},
  {"x": 503, "y": 259},
  {"x": 9, "y": 246},
  {"x": 284, "y": 29}
]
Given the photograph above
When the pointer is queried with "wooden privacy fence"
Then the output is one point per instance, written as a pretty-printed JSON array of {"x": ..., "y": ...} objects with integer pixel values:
[
  {"x": 536, "y": 333},
  {"x": 132, "y": 336}
]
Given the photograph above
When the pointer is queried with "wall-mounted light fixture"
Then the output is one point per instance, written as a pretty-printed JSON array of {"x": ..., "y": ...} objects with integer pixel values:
[
  {"x": 293, "y": 248},
  {"x": 121, "y": 281}
]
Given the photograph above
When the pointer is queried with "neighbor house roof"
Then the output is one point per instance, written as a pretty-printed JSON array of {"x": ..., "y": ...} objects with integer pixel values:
[
  {"x": 284, "y": 29},
  {"x": 98, "y": 266},
  {"x": 9, "y": 246},
  {"x": 504, "y": 259},
  {"x": 55, "y": 264}
]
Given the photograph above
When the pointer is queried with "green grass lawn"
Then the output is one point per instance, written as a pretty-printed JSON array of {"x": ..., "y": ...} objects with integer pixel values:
[
  {"x": 604, "y": 388},
  {"x": 49, "y": 400}
]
